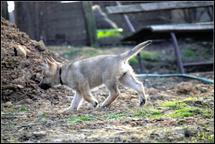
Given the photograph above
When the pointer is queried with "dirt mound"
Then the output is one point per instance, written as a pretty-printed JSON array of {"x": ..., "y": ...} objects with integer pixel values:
[{"x": 21, "y": 58}]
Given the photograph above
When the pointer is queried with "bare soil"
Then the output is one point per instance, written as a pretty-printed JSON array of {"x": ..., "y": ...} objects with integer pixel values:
[
  {"x": 124, "y": 121},
  {"x": 177, "y": 109}
]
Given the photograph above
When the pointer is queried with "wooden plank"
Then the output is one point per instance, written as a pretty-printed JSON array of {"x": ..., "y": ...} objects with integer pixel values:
[
  {"x": 147, "y": 32},
  {"x": 4, "y": 9},
  {"x": 198, "y": 64},
  {"x": 90, "y": 22},
  {"x": 182, "y": 27},
  {"x": 146, "y": 7}
]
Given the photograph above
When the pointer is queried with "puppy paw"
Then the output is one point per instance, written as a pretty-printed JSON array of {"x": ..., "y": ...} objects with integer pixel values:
[
  {"x": 142, "y": 102},
  {"x": 95, "y": 104},
  {"x": 103, "y": 108},
  {"x": 98, "y": 107}
]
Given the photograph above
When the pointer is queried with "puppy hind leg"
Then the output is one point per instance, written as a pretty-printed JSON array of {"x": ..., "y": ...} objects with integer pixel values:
[
  {"x": 114, "y": 93},
  {"x": 130, "y": 81},
  {"x": 89, "y": 98}
]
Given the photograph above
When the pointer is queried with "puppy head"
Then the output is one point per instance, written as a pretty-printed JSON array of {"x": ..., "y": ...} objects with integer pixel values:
[{"x": 50, "y": 74}]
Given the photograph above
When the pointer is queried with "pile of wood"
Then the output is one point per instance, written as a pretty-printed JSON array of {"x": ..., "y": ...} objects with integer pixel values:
[{"x": 21, "y": 58}]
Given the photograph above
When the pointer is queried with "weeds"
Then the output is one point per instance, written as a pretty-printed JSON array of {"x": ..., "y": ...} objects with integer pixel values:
[
  {"x": 203, "y": 137},
  {"x": 79, "y": 119},
  {"x": 189, "y": 53},
  {"x": 185, "y": 112},
  {"x": 85, "y": 52},
  {"x": 184, "y": 109},
  {"x": 173, "y": 104},
  {"x": 23, "y": 109},
  {"x": 147, "y": 112},
  {"x": 103, "y": 33}
]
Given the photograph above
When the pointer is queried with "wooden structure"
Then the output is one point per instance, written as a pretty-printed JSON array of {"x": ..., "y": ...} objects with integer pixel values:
[
  {"x": 4, "y": 9},
  {"x": 123, "y": 9},
  {"x": 167, "y": 30},
  {"x": 56, "y": 22},
  {"x": 90, "y": 22},
  {"x": 198, "y": 31}
]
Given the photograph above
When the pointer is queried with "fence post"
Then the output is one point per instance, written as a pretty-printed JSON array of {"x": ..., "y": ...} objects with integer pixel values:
[
  {"x": 90, "y": 22},
  {"x": 4, "y": 10}
]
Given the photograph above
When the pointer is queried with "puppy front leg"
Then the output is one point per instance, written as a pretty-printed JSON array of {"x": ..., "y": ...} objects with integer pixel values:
[
  {"x": 75, "y": 102},
  {"x": 130, "y": 81}
]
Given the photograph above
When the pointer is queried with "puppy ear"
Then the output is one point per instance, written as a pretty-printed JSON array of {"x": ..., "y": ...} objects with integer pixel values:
[
  {"x": 53, "y": 60},
  {"x": 50, "y": 63},
  {"x": 50, "y": 58}
]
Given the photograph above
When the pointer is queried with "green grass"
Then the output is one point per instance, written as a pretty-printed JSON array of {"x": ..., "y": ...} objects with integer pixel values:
[
  {"x": 114, "y": 116},
  {"x": 146, "y": 55},
  {"x": 79, "y": 119},
  {"x": 207, "y": 113},
  {"x": 85, "y": 52},
  {"x": 147, "y": 113},
  {"x": 203, "y": 137},
  {"x": 149, "y": 55},
  {"x": 23, "y": 109},
  {"x": 190, "y": 99},
  {"x": 105, "y": 33},
  {"x": 173, "y": 104},
  {"x": 185, "y": 112},
  {"x": 179, "y": 109},
  {"x": 90, "y": 52},
  {"x": 133, "y": 60},
  {"x": 72, "y": 53},
  {"x": 189, "y": 53}
]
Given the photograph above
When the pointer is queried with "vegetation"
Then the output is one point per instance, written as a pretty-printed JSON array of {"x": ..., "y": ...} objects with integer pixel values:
[
  {"x": 79, "y": 119},
  {"x": 145, "y": 55},
  {"x": 103, "y": 33}
]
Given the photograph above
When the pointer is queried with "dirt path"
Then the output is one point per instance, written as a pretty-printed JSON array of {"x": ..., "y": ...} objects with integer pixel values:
[{"x": 178, "y": 111}]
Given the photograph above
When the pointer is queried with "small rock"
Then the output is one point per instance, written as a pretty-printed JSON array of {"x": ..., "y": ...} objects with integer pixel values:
[
  {"x": 58, "y": 140},
  {"x": 21, "y": 50},
  {"x": 39, "y": 45},
  {"x": 8, "y": 104},
  {"x": 28, "y": 101},
  {"x": 24, "y": 137},
  {"x": 20, "y": 86},
  {"x": 187, "y": 133},
  {"x": 39, "y": 134}
]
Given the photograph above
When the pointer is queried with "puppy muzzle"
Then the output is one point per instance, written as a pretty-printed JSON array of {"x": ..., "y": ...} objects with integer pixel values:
[{"x": 44, "y": 86}]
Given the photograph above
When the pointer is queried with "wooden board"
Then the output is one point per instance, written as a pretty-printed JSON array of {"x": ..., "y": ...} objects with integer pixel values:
[
  {"x": 182, "y": 27},
  {"x": 197, "y": 31},
  {"x": 146, "y": 7}
]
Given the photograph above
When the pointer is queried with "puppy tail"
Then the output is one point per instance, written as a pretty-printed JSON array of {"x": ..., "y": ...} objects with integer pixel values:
[{"x": 128, "y": 54}]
